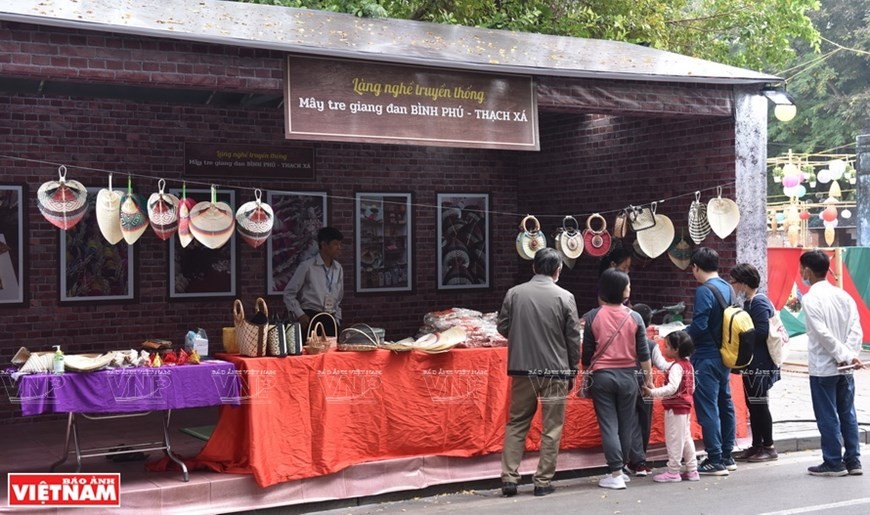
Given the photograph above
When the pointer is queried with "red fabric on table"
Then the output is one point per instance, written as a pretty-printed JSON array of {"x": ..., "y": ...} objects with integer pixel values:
[{"x": 307, "y": 416}]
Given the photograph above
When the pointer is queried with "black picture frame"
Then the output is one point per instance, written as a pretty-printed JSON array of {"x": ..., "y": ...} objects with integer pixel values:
[
  {"x": 13, "y": 252},
  {"x": 298, "y": 217},
  {"x": 92, "y": 269},
  {"x": 463, "y": 241},
  {"x": 384, "y": 241},
  {"x": 197, "y": 271}
]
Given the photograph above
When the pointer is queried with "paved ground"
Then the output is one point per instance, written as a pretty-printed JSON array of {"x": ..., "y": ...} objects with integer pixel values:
[{"x": 781, "y": 487}]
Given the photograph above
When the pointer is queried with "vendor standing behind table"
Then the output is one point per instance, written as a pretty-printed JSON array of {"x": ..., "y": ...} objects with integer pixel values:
[{"x": 317, "y": 286}]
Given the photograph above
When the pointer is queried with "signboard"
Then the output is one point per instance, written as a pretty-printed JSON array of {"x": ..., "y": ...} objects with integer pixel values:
[
  {"x": 339, "y": 100},
  {"x": 256, "y": 162}
]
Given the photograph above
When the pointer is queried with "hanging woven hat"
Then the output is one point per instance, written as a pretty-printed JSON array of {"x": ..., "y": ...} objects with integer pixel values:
[
  {"x": 163, "y": 212},
  {"x": 530, "y": 240},
  {"x": 212, "y": 223},
  {"x": 640, "y": 218},
  {"x": 680, "y": 252},
  {"x": 185, "y": 205},
  {"x": 570, "y": 241},
  {"x": 655, "y": 241},
  {"x": 63, "y": 203},
  {"x": 723, "y": 214},
  {"x": 108, "y": 210},
  {"x": 596, "y": 242},
  {"x": 255, "y": 220},
  {"x": 134, "y": 215},
  {"x": 699, "y": 226},
  {"x": 638, "y": 252}
]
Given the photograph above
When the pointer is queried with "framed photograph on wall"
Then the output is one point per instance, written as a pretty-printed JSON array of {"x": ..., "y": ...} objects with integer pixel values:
[
  {"x": 12, "y": 279},
  {"x": 463, "y": 240},
  {"x": 298, "y": 217},
  {"x": 383, "y": 242},
  {"x": 91, "y": 268},
  {"x": 197, "y": 271}
]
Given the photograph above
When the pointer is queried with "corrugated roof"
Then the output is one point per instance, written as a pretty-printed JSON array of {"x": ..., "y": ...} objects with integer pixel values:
[{"x": 324, "y": 33}]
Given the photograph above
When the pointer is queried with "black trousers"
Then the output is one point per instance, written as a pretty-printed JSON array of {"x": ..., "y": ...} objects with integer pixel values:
[{"x": 328, "y": 324}]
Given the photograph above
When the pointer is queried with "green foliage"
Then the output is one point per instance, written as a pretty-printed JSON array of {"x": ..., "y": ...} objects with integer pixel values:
[
  {"x": 832, "y": 93},
  {"x": 753, "y": 34}
]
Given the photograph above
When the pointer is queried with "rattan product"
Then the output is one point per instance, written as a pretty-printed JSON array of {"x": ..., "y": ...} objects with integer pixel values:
[
  {"x": 317, "y": 341},
  {"x": 252, "y": 336},
  {"x": 359, "y": 338}
]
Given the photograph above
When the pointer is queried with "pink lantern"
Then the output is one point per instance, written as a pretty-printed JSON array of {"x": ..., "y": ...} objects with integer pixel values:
[
  {"x": 790, "y": 181},
  {"x": 805, "y": 215},
  {"x": 829, "y": 214}
]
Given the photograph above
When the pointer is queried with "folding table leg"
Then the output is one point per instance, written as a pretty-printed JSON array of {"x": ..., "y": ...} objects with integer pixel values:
[
  {"x": 70, "y": 428},
  {"x": 168, "y": 449}
]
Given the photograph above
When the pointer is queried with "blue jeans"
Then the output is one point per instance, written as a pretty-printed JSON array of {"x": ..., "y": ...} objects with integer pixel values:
[
  {"x": 714, "y": 408},
  {"x": 834, "y": 407}
]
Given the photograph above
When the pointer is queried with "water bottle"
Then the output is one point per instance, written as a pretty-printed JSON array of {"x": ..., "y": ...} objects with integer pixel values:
[{"x": 58, "y": 361}]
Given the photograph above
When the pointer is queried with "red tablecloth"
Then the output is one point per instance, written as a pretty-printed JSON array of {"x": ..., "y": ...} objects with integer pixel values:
[{"x": 307, "y": 416}]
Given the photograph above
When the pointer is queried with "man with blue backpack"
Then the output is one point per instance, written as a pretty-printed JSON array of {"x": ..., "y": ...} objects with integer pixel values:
[{"x": 713, "y": 405}]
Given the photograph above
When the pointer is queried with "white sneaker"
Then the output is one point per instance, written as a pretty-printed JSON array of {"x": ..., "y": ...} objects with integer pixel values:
[
  {"x": 614, "y": 483},
  {"x": 626, "y": 478}
]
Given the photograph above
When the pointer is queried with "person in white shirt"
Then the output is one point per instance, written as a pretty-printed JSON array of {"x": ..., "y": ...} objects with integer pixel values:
[
  {"x": 317, "y": 286},
  {"x": 834, "y": 343}
]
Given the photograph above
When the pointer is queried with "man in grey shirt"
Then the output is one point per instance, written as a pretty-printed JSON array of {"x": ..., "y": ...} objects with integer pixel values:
[
  {"x": 542, "y": 326},
  {"x": 317, "y": 286}
]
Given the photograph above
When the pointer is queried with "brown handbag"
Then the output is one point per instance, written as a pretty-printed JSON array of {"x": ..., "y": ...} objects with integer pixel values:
[{"x": 252, "y": 336}]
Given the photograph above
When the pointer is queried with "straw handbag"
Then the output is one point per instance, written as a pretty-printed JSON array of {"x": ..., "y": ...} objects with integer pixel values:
[
  {"x": 252, "y": 335},
  {"x": 358, "y": 337},
  {"x": 317, "y": 341}
]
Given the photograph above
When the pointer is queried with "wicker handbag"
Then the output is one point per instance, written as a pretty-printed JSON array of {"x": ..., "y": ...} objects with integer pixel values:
[
  {"x": 317, "y": 341},
  {"x": 358, "y": 337},
  {"x": 252, "y": 335},
  {"x": 285, "y": 338}
]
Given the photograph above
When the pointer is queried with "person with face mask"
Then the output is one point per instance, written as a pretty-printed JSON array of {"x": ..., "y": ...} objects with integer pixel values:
[{"x": 761, "y": 373}]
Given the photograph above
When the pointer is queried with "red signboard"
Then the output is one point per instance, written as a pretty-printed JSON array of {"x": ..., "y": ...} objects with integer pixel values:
[
  {"x": 64, "y": 490},
  {"x": 339, "y": 100}
]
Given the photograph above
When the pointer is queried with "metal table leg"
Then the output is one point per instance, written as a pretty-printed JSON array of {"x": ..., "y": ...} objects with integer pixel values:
[{"x": 167, "y": 414}]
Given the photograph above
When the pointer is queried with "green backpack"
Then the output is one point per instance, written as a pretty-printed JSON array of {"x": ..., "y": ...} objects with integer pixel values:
[{"x": 738, "y": 334}]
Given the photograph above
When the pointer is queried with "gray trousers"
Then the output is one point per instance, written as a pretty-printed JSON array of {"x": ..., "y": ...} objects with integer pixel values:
[
  {"x": 614, "y": 393},
  {"x": 525, "y": 392}
]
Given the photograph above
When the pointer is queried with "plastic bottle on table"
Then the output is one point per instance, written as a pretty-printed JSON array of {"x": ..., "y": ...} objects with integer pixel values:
[{"x": 58, "y": 367}]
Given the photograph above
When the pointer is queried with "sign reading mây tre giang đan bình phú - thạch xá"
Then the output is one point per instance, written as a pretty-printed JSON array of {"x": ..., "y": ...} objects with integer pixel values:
[{"x": 341, "y": 100}]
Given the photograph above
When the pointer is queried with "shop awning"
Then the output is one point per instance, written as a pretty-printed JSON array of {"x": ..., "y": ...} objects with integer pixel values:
[{"x": 325, "y": 33}]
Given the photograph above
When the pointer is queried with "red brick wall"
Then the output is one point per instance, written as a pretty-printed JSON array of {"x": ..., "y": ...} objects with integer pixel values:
[
  {"x": 594, "y": 163},
  {"x": 587, "y": 163}
]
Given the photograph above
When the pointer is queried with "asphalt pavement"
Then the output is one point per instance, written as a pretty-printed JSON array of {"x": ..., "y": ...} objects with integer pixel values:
[{"x": 773, "y": 488}]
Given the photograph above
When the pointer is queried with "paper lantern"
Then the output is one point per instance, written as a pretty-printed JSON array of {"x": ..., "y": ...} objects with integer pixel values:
[
  {"x": 832, "y": 224},
  {"x": 780, "y": 217},
  {"x": 805, "y": 215},
  {"x": 837, "y": 167},
  {"x": 835, "y": 191},
  {"x": 830, "y": 213},
  {"x": 790, "y": 181},
  {"x": 801, "y": 191},
  {"x": 824, "y": 176},
  {"x": 846, "y": 214},
  {"x": 790, "y": 169}
]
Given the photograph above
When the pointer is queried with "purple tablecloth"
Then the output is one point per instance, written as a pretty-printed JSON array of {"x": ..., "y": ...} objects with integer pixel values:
[{"x": 129, "y": 390}]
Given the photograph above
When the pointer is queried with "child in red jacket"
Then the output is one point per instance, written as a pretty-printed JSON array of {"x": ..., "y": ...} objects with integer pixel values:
[{"x": 676, "y": 397}]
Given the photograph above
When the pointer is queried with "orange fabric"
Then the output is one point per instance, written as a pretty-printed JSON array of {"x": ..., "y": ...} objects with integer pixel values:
[
  {"x": 783, "y": 264},
  {"x": 308, "y": 416}
]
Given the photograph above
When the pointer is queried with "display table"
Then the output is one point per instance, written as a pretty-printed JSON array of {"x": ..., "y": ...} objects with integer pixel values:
[
  {"x": 308, "y": 416},
  {"x": 126, "y": 392}
]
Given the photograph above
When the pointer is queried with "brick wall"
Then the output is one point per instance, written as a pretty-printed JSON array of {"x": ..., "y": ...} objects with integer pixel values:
[
  {"x": 588, "y": 163},
  {"x": 596, "y": 163}
]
